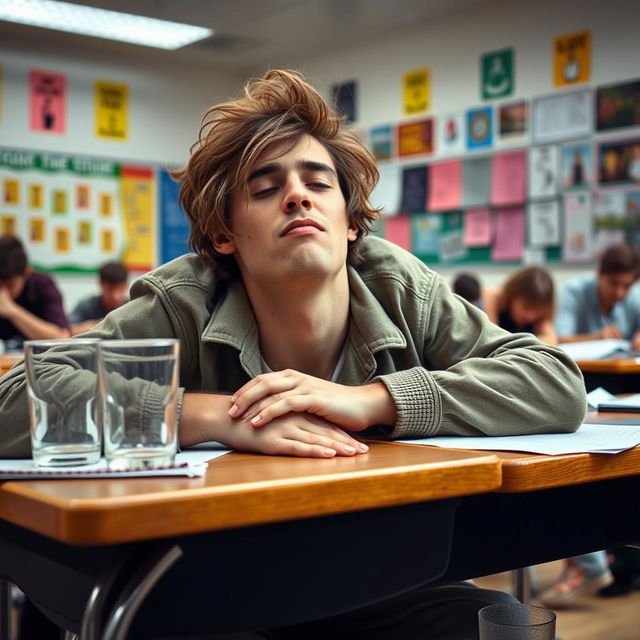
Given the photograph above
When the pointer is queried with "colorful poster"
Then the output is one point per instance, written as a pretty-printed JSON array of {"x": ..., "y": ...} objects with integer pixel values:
[
  {"x": 174, "y": 224},
  {"x": 11, "y": 192},
  {"x": 138, "y": 207},
  {"x": 451, "y": 139},
  {"x": 543, "y": 171},
  {"x": 619, "y": 163},
  {"x": 344, "y": 96},
  {"x": 381, "y": 142},
  {"x": 112, "y": 110},
  {"x": 618, "y": 105},
  {"x": 544, "y": 223},
  {"x": 397, "y": 229},
  {"x": 36, "y": 230},
  {"x": 577, "y": 170},
  {"x": 578, "y": 227},
  {"x": 415, "y": 138},
  {"x": 416, "y": 91},
  {"x": 572, "y": 58},
  {"x": 611, "y": 220},
  {"x": 477, "y": 228},
  {"x": 426, "y": 233},
  {"x": 47, "y": 102},
  {"x": 479, "y": 128},
  {"x": 496, "y": 72},
  {"x": 510, "y": 229},
  {"x": 414, "y": 189},
  {"x": 445, "y": 185},
  {"x": 513, "y": 119},
  {"x": 562, "y": 116},
  {"x": 509, "y": 178}
]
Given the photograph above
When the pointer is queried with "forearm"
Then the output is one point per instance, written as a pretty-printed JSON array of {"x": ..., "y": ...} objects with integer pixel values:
[
  {"x": 35, "y": 328},
  {"x": 204, "y": 417}
]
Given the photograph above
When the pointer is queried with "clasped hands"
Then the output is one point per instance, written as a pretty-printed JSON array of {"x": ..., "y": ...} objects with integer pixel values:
[{"x": 298, "y": 414}]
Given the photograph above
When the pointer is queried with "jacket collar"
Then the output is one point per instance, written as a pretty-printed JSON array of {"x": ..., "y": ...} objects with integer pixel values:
[{"x": 370, "y": 330}]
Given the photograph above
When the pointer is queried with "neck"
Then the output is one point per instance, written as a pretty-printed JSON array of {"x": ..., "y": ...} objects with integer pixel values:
[{"x": 303, "y": 326}]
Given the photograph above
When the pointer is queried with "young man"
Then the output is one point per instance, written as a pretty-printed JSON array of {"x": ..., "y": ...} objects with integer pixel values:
[
  {"x": 603, "y": 306},
  {"x": 31, "y": 305},
  {"x": 296, "y": 332},
  {"x": 113, "y": 293}
]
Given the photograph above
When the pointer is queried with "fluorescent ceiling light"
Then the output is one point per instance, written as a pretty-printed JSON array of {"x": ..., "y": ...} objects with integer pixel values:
[{"x": 101, "y": 23}]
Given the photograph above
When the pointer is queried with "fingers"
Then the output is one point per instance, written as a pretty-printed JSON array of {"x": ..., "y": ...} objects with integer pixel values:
[{"x": 262, "y": 386}]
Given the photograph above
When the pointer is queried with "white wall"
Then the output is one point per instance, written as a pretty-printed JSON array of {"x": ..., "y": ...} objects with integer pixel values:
[
  {"x": 165, "y": 107},
  {"x": 452, "y": 48}
]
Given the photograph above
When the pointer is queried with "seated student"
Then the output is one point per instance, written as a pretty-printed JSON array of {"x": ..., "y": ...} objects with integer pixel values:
[
  {"x": 524, "y": 303},
  {"x": 31, "y": 306},
  {"x": 113, "y": 293},
  {"x": 298, "y": 332},
  {"x": 606, "y": 305},
  {"x": 467, "y": 286}
]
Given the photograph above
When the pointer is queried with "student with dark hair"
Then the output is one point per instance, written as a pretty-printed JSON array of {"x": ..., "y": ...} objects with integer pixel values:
[
  {"x": 525, "y": 302},
  {"x": 606, "y": 305},
  {"x": 467, "y": 286},
  {"x": 298, "y": 332},
  {"x": 31, "y": 305},
  {"x": 87, "y": 313}
]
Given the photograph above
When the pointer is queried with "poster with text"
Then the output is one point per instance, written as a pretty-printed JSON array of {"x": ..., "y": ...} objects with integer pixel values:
[
  {"x": 47, "y": 102},
  {"x": 138, "y": 208},
  {"x": 415, "y": 138},
  {"x": 496, "y": 72},
  {"x": 544, "y": 223},
  {"x": 174, "y": 224},
  {"x": 544, "y": 168},
  {"x": 562, "y": 116},
  {"x": 416, "y": 91},
  {"x": 578, "y": 227},
  {"x": 572, "y": 58},
  {"x": 112, "y": 110}
]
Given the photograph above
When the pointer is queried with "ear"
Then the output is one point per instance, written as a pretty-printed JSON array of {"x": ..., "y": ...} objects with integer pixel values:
[
  {"x": 352, "y": 232},
  {"x": 223, "y": 244}
]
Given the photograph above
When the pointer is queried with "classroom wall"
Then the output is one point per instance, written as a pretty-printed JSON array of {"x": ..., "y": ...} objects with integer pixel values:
[
  {"x": 165, "y": 107},
  {"x": 452, "y": 47}
]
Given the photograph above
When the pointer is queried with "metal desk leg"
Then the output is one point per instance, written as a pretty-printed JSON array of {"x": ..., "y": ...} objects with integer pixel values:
[
  {"x": 131, "y": 596},
  {"x": 521, "y": 584},
  {"x": 6, "y": 605}
]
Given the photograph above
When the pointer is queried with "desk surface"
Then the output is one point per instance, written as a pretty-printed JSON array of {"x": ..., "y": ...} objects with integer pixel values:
[
  {"x": 610, "y": 365},
  {"x": 241, "y": 490},
  {"x": 7, "y": 360}
]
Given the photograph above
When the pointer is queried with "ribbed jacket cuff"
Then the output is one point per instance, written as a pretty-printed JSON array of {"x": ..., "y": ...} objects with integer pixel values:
[{"x": 418, "y": 406}]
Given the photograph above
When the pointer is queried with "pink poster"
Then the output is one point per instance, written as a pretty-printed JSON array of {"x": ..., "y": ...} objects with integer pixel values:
[
  {"x": 397, "y": 229},
  {"x": 509, "y": 180},
  {"x": 445, "y": 189},
  {"x": 509, "y": 242},
  {"x": 48, "y": 97},
  {"x": 477, "y": 228}
]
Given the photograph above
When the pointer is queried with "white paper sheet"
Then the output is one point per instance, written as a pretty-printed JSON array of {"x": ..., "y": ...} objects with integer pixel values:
[
  {"x": 597, "y": 349},
  {"x": 191, "y": 463},
  {"x": 589, "y": 438}
]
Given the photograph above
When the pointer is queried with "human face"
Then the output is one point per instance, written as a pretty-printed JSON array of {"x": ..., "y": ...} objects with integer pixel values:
[
  {"x": 13, "y": 285},
  {"x": 613, "y": 288},
  {"x": 291, "y": 223},
  {"x": 524, "y": 313},
  {"x": 114, "y": 294}
]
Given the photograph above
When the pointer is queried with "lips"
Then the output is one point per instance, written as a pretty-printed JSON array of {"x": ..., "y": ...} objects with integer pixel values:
[{"x": 301, "y": 223}]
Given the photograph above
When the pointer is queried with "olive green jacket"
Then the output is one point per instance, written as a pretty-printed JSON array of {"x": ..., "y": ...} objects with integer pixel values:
[{"x": 448, "y": 368}]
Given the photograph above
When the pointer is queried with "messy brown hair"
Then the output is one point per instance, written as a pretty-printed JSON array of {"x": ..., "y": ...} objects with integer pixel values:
[
  {"x": 621, "y": 258},
  {"x": 277, "y": 108},
  {"x": 533, "y": 285}
]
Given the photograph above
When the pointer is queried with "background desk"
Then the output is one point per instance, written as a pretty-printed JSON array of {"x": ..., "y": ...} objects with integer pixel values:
[
  {"x": 7, "y": 360},
  {"x": 266, "y": 540},
  {"x": 616, "y": 375}
]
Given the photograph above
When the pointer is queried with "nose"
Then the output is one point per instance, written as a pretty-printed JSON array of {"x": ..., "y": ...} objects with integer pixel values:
[{"x": 296, "y": 196}]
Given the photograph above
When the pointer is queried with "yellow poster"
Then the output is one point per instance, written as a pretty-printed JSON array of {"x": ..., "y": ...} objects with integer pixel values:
[
  {"x": 62, "y": 239},
  {"x": 36, "y": 230},
  {"x": 107, "y": 242},
  {"x": 572, "y": 58},
  {"x": 138, "y": 205},
  {"x": 11, "y": 192},
  {"x": 35, "y": 196},
  {"x": 8, "y": 225},
  {"x": 112, "y": 110},
  {"x": 416, "y": 91}
]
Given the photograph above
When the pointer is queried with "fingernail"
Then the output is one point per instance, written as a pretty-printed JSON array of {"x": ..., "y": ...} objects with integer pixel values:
[
  {"x": 362, "y": 446},
  {"x": 348, "y": 448},
  {"x": 233, "y": 410},
  {"x": 328, "y": 452},
  {"x": 255, "y": 419}
]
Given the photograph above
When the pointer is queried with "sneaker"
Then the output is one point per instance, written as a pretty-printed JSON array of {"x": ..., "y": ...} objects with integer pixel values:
[{"x": 571, "y": 584}]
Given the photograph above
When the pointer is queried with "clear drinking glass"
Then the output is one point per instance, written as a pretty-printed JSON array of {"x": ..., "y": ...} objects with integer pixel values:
[
  {"x": 62, "y": 390},
  {"x": 139, "y": 399},
  {"x": 516, "y": 622}
]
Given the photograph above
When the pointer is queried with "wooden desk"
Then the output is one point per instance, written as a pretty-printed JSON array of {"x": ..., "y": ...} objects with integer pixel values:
[
  {"x": 610, "y": 365},
  {"x": 251, "y": 525},
  {"x": 7, "y": 360}
]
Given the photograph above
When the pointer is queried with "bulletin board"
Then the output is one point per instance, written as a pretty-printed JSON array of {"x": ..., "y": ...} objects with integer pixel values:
[{"x": 74, "y": 213}]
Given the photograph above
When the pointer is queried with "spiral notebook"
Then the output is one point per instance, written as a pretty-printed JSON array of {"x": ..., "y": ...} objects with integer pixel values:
[{"x": 190, "y": 463}]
